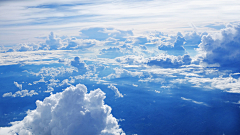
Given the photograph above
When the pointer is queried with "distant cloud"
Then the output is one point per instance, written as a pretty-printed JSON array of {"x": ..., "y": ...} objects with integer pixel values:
[
  {"x": 80, "y": 65},
  {"x": 22, "y": 93},
  {"x": 18, "y": 85},
  {"x": 101, "y": 34},
  {"x": 53, "y": 42},
  {"x": 193, "y": 101},
  {"x": 176, "y": 48},
  {"x": 169, "y": 61},
  {"x": 73, "y": 111},
  {"x": 115, "y": 89},
  {"x": 116, "y": 51}
]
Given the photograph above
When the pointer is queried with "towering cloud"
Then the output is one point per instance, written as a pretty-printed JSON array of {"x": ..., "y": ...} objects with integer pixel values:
[
  {"x": 71, "y": 112},
  {"x": 54, "y": 42},
  {"x": 222, "y": 48}
]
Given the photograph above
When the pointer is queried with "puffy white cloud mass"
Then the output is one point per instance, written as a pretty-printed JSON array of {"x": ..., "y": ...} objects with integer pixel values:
[
  {"x": 22, "y": 93},
  {"x": 222, "y": 48},
  {"x": 169, "y": 61},
  {"x": 115, "y": 89},
  {"x": 71, "y": 112},
  {"x": 54, "y": 42},
  {"x": 176, "y": 48}
]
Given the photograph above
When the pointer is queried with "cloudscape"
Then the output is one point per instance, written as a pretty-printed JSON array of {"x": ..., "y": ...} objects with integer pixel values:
[{"x": 120, "y": 67}]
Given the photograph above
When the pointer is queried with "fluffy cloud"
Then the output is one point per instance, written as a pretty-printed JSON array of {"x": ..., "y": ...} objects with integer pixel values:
[
  {"x": 113, "y": 52},
  {"x": 54, "y": 42},
  {"x": 120, "y": 72},
  {"x": 18, "y": 85},
  {"x": 73, "y": 111},
  {"x": 22, "y": 93},
  {"x": 176, "y": 48},
  {"x": 222, "y": 48},
  {"x": 169, "y": 61},
  {"x": 131, "y": 59},
  {"x": 80, "y": 65},
  {"x": 53, "y": 72},
  {"x": 115, "y": 89}
]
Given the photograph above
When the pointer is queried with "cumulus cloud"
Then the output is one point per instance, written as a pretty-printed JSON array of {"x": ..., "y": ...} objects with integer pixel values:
[
  {"x": 120, "y": 72},
  {"x": 222, "y": 48},
  {"x": 22, "y": 93},
  {"x": 53, "y": 72},
  {"x": 73, "y": 111},
  {"x": 115, "y": 89},
  {"x": 131, "y": 59},
  {"x": 169, "y": 61},
  {"x": 117, "y": 51},
  {"x": 80, "y": 65},
  {"x": 54, "y": 42},
  {"x": 176, "y": 48}
]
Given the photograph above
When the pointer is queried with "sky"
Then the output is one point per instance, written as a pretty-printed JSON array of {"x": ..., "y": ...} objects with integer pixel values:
[{"x": 119, "y": 67}]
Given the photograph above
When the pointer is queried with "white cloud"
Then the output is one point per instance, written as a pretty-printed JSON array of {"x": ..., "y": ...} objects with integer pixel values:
[
  {"x": 176, "y": 48},
  {"x": 80, "y": 65},
  {"x": 120, "y": 72},
  {"x": 53, "y": 72},
  {"x": 193, "y": 101},
  {"x": 22, "y": 93},
  {"x": 115, "y": 89},
  {"x": 18, "y": 85},
  {"x": 73, "y": 111},
  {"x": 54, "y": 42},
  {"x": 169, "y": 61},
  {"x": 222, "y": 48}
]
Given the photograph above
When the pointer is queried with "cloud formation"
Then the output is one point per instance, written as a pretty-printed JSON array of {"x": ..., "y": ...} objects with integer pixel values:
[
  {"x": 169, "y": 61},
  {"x": 22, "y": 93},
  {"x": 222, "y": 48},
  {"x": 115, "y": 89},
  {"x": 176, "y": 48},
  {"x": 80, "y": 65},
  {"x": 73, "y": 111}
]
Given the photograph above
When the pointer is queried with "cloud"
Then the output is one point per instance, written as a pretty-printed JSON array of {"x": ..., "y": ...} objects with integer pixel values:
[
  {"x": 74, "y": 43},
  {"x": 176, "y": 48},
  {"x": 169, "y": 61},
  {"x": 117, "y": 51},
  {"x": 80, "y": 65},
  {"x": 193, "y": 101},
  {"x": 22, "y": 93},
  {"x": 131, "y": 59},
  {"x": 73, "y": 111},
  {"x": 53, "y": 72},
  {"x": 101, "y": 34},
  {"x": 53, "y": 42},
  {"x": 120, "y": 72},
  {"x": 18, "y": 85},
  {"x": 222, "y": 48},
  {"x": 115, "y": 89}
]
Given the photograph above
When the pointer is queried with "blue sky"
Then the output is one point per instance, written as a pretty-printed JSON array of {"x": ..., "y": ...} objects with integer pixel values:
[{"x": 119, "y": 67}]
